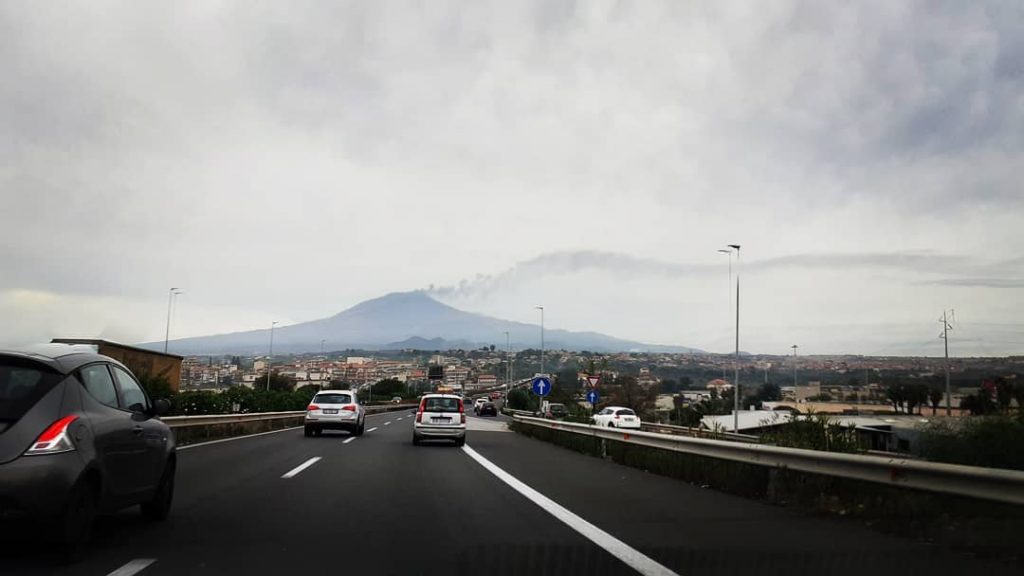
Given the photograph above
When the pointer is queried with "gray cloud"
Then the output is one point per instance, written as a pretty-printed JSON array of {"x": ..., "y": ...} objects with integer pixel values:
[
  {"x": 980, "y": 282},
  {"x": 293, "y": 160},
  {"x": 568, "y": 263}
]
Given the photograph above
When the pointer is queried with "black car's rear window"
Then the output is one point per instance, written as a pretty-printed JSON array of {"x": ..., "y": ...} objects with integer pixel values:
[
  {"x": 332, "y": 399},
  {"x": 441, "y": 405},
  {"x": 21, "y": 386}
]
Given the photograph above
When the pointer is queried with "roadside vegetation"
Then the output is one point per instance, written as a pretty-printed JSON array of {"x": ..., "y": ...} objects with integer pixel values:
[{"x": 282, "y": 396}]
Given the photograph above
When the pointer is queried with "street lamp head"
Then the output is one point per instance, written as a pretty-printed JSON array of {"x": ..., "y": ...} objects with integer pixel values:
[
  {"x": 735, "y": 247},
  {"x": 725, "y": 251}
]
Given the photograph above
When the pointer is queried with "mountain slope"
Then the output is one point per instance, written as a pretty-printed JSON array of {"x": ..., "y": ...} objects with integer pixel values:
[{"x": 390, "y": 321}]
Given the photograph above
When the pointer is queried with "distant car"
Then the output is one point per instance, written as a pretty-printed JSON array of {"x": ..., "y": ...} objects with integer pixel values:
[
  {"x": 78, "y": 437},
  {"x": 617, "y": 417},
  {"x": 440, "y": 417},
  {"x": 556, "y": 411},
  {"x": 488, "y": 409},
  {"x": 396, "y": 399},
  {"x": 477, "y": 403},
  {"x": 335, "y": 410}
]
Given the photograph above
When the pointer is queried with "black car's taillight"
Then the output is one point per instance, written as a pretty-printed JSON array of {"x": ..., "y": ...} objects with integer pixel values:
[{"x": 54, "y": 439}]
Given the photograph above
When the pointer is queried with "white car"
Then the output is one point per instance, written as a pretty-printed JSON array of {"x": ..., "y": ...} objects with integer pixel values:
[
  {"x": 335, "y": 410},
  {"x": 477, "y": 404},
  {"x": 617, "y": 417},
  {"x": 440, "y": 417}
]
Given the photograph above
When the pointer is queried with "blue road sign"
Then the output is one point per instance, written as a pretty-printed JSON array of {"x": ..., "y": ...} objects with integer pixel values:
[
  {"x": 541, "y": 386},
  {"x": 593, "y": 397}
]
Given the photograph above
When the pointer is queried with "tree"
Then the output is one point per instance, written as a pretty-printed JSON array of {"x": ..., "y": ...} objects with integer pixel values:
[
  {"x": 896, "y": 394},
  {"x": 629, "y": 393},
  {"x": 383, "y": 390},
  {"x": 978, "y": 404},
  {"x": 1004, "y": 393},
  {"x": 769, "y": 393},
  {"x": 492, "y": 347},
  {"x": 309, "y": 390},
  {"x": 935, "y": 396},
  {"x": 155, "y": 386},
  {"x": 277, "y": 382},
  {"x": 669, "y": 386},
  {"x": 519, "y": 399}
]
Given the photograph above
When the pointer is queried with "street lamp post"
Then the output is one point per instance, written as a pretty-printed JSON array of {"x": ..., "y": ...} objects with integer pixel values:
[
  {"x": 270, "y": 357},
  {"x": 170, "y": 300},
  {"x": 736, "y": 384},
  {"x": 728, "y": 296},
  {"x": 508, "y": 362},
  {"x": 794, "y": 347}
]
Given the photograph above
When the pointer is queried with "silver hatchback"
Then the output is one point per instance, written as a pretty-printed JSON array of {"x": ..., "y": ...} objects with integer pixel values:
[{"x": 335, "y": 410}]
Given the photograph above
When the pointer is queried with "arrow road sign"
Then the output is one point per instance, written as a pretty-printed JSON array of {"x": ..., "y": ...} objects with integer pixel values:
[
  {"x": 541, "y": 386},
  {"x": 593, "y": 397}
]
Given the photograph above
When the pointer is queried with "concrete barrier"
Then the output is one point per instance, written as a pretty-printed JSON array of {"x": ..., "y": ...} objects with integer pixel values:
[{"x": 977, "y": 509}]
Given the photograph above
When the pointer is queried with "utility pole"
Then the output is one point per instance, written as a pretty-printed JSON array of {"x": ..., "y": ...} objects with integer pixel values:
[{"x": 945, "y": 341}]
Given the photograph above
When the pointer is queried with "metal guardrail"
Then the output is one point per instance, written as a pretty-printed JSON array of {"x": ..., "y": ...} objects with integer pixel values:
[
  {"x": 213, "y": 419},
  {"x": 984, "y": 483},
  {"x": 696, "y": 432}
]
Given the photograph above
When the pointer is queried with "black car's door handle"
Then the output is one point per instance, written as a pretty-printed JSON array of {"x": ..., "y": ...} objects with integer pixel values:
[{"x": 137, "y": 430}]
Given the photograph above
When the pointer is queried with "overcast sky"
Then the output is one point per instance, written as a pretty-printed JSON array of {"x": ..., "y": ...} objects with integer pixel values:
[{"x": 286, "y": 160}]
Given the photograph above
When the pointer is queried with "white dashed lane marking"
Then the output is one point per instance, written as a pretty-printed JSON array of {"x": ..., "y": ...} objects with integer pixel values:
[
  {"x": 295, "y": 471},
  {"x": 133, "y": 567}
]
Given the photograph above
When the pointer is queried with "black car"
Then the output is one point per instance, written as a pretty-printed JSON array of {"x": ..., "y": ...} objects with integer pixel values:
[
  {"x": 488, "y": 409},
  {"x": 78, "y": 437}
]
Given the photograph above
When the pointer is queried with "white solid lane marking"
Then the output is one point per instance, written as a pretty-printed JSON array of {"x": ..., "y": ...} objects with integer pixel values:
[
  {"x": 301, "y": 467},
  {"x": 388, "y": 423},
  {"x": 347, "y": 440},
  {"x": 631, "y": 556},
  {"x": 133, "y": 567},
  {"x": 232, "y": 439},
  {"x": 372, "y": 429}
]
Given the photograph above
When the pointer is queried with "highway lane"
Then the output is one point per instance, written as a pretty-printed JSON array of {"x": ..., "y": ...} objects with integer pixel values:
[{"x": 379, "y": 505}]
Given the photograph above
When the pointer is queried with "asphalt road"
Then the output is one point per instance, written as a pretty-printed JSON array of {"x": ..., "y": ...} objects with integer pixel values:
[{"x": 379, "y": 505}]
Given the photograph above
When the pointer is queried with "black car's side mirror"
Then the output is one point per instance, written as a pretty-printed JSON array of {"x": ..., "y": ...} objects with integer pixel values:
[{"x": 161, "y": 407}]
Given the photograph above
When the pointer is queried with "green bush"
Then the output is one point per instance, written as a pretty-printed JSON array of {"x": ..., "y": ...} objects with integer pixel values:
[
  {"x": 519, "y": 399},
  {"x": 989, "y": 441},
  {"x": 815, "y": 432},
  {"x": 240, "y": 399}
]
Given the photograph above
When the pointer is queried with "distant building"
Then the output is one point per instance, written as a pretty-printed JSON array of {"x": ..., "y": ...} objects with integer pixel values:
[
  {"x": 486, "y": 381},
  {"x": 718, "y": 385},
  {"x": 357, "y": 360}
]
